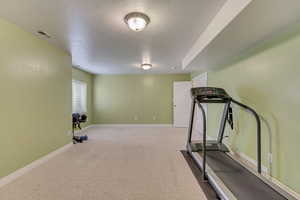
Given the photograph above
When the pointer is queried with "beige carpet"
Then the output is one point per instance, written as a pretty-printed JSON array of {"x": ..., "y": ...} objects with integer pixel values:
[{"x": 115, "y": 164}]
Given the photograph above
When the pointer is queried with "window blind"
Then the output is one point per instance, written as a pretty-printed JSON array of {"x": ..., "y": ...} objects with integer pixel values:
[{"x": 79, "y": 97}]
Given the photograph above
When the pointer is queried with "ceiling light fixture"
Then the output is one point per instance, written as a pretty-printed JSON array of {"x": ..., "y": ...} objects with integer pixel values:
[
  {"x": 146, "y": 66},
  {"x": 137, "y": 21}
]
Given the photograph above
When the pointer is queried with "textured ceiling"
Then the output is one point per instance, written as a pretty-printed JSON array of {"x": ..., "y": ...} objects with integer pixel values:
[{"x": 94, "y": 33}]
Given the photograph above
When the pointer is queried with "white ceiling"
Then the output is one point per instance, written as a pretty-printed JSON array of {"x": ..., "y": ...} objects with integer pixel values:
[
  {"x": 260, "y": 21},
  {"x": 94, "y": 33}
]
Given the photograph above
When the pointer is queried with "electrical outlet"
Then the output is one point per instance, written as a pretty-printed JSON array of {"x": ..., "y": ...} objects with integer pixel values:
[
  {"x": 154, "y": 118},
  {"x": 135, "y": 118}
]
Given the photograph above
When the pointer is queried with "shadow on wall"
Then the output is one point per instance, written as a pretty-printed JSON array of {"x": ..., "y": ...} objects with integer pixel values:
[{"x": 270, "y": 126}]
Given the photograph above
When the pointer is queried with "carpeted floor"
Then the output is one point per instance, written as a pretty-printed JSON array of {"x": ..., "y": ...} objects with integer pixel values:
[{"x": 115, "y": 164}]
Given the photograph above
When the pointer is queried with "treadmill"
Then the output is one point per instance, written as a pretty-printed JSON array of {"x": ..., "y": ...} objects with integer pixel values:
[{"x": 230, "y": 178}]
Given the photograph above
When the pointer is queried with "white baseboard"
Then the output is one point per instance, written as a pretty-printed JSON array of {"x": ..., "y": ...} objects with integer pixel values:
[
  {"x": 20, "y": 172},
  {"x": 80, "y": 131},
  {"x": 253, "y": 164},
  {"x": 132, "y": 125},
  {"x": 286, "y": 188}
]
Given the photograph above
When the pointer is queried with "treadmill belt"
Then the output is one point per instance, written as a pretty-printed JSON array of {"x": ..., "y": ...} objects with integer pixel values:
[{"x": 242, "y": 183}]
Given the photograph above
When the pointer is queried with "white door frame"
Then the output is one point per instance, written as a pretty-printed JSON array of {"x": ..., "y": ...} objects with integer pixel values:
[{"x": 200, "y": 77}]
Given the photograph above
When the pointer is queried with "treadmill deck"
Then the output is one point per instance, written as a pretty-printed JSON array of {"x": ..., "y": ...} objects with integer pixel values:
[{"x": 242, "y": 183}]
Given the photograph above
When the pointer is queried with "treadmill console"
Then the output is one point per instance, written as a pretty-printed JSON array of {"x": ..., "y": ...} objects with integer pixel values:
[{"x": 209, "y": 93}]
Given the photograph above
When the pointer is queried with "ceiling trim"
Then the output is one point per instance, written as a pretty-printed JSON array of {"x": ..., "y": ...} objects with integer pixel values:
[{"x": 227, "y": 13}]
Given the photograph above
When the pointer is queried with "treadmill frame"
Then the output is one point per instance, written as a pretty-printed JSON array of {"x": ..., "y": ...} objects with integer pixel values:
[
  {"x": 213, "y": 179},
  {"x": 227, "y": 102},
  {"x": 220, "y": 187}
]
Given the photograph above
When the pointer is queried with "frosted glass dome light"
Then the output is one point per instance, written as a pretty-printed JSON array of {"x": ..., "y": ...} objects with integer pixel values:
[
  {"x": 137, "y": 21},
  {"x": 146, "y": 66}
]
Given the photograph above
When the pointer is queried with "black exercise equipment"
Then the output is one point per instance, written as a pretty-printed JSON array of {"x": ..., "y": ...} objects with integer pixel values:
[
  {"x": 230, "y": 178},
  {"x": 77, "y": 119}
]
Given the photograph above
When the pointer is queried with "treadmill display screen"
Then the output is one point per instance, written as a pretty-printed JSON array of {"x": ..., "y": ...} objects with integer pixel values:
[{"x": 209, "y": 92}]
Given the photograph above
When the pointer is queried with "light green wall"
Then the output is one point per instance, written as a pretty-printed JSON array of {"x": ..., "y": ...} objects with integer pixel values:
[
  {"x": 119, "y": 98},
  {"x": 88, "y": 78},
  {"x": 267, "y": 78},
  {"x": 35, "y": 85}
]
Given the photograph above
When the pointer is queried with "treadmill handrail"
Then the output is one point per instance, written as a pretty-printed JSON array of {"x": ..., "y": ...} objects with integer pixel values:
[
  {"x": 204, "y": 139},
  {"x": 258, "y": 122},
  {"x": 191, "y": 121}
]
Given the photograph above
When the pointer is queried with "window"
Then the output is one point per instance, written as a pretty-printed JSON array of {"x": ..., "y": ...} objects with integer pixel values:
[{"x": 79, "y": 96}]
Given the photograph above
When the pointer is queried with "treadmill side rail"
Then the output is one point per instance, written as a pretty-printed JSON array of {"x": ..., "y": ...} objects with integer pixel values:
[
  {"x": 223, "y": 192},
  {"x": 262, "y": 177}
]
